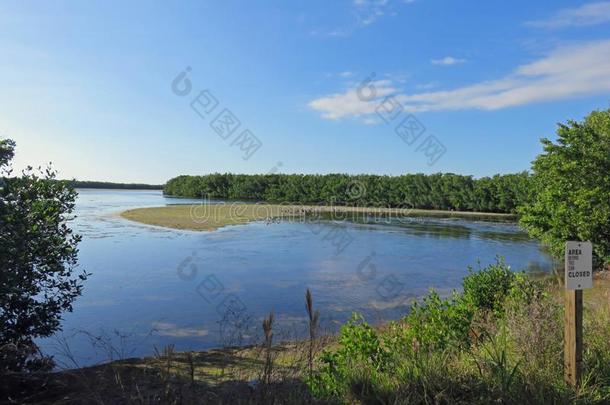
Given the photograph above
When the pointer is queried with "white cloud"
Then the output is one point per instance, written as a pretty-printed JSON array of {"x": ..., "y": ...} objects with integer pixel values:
[
  {"x": 369, "y": 11},
  {"x": 567, "y": 72},
  {"x": 585, "y": 15},
  {"x": 355, "y": 102},
  {"x": 363, "y": 13},
  {"x": 346, "y": 74},
  {"x": 447, "y": 61}
]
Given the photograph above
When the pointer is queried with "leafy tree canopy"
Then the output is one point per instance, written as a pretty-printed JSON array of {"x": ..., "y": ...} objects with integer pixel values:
[
  {"x": 38, "y": 258},
  {"x": 571, "y": 188},
  {"x": 441, "y": 191}
]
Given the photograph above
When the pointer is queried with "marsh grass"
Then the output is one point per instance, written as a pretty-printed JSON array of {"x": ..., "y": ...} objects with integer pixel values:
[
  {"x": 208, "y": 217},
  {"x": 313, "y": 317}
]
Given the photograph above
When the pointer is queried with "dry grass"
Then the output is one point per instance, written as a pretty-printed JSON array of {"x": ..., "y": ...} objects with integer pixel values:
[
  {"x": 222, "y": 376},
  {"x": 209, "y": 217},
  {"x": 200, "y": 217}
]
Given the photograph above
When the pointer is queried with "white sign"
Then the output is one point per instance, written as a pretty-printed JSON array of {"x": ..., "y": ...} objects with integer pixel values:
[{"x": 579, "y": 265}]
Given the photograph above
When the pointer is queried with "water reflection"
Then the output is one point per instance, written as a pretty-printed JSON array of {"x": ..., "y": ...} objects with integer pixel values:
[{"x": 136, "y": 288}]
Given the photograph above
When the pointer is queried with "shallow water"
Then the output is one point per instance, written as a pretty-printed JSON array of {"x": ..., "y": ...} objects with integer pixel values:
[{"x": 152, "y": 286}]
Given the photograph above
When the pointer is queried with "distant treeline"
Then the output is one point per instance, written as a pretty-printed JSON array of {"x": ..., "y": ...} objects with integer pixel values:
[
  {"x": 443, "y": 191},
  {"x": 104, "y": 184}
]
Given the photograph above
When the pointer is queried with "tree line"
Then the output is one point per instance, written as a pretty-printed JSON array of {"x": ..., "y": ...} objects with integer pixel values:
[
  {"x": 110, "y": 185},
  {"x": 105, "y": 185},
  {"x": 442, "y": 191}
]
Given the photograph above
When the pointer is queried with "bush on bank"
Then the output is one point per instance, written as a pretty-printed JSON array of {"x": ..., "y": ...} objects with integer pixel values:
[{"x": 499, "y": 340}]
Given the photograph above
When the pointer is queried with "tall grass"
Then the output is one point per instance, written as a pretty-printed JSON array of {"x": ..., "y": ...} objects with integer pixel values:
[{"x": 313, "y": 317}]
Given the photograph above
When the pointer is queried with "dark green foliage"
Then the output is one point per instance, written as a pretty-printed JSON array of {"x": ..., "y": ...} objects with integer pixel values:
[
  {"x": 359, "y": 341},
  {"x": 443, "y": 323},
  {"x": 360, "y": 344},
  {"x": 37, "y": 261},
  {"x": 571, "y": 187},
  {"x": 108, "y": 185},
  {"x": 439, "y": 323},
  {"x": 437, "y": 191},
  {"x": 435, "y": 327},
  {"x": 488, "y": 289},
  {"x": 7, "y": 151}
]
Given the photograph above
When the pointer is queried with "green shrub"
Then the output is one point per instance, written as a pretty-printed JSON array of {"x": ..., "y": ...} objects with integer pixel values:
[
  {"x": 329, "y": 380},
  {"x": 359, "y": 342},
  {"x": 525, "y": 290},
  {"x": 431, "y": 357},
  {"x": 439, "y": 323},
  {"x": 488, "y": 288},
  {"x": 359, "y": 345}
]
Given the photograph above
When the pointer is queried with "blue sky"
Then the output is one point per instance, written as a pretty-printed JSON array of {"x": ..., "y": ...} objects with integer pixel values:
[{"x": 88, "y": 86}]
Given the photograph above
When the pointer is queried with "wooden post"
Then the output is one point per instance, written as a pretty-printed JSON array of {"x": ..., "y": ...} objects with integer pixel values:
[{"x": 572, "y": 345}]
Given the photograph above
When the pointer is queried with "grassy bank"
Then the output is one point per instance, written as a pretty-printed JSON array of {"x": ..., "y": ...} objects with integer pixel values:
[
  {"x": 210, "y": 217},
  {"x": 499, "y": 341}
]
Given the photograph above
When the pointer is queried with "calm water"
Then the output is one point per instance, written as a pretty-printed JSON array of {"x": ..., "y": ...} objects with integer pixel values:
[{"x": 152, "y": 286}]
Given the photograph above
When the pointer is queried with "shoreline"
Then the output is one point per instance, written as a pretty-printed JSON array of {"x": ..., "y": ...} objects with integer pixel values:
[
  {"x": 210, "y": 217},
  {"x": 217, "y": 372}
]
